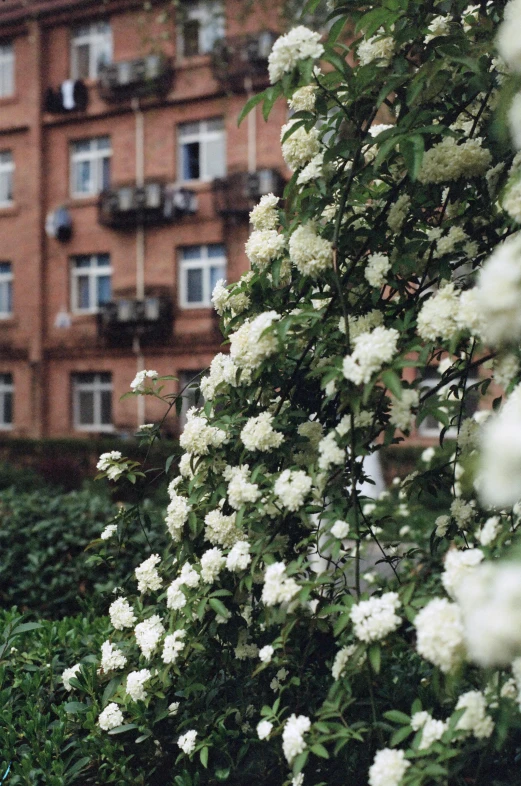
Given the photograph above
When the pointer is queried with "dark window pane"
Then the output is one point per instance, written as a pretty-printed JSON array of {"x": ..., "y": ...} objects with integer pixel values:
[
  {"x": 216, "y": 250},
  {"x": 103, "y": 290},
  {"x": 105, "y": 173},
  {"x": 82, "y": 262},
  {"x": 106, "y": 407},
  {"x": 103, "y": 260},
  {"x": 105, "y": 376},
  {"x": 215, "y": 274},
  {"x": 82, "y": 61},
  {"x": 83, "y": 292},
  {"x": 8, "y": 408},
  {"x": 194, "y": 285},
  {"x": 85, "y": 378},
  {"x": 191, "y": 37},
  {"x": 86, "y": 407},
  {"x": 5, "y": 267},
  {"x": 191, "y": 165},
  {"x": 192, "y": 252}
]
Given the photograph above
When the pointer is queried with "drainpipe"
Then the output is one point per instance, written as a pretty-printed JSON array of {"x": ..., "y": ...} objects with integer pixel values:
[
  {"x": 140, "y": 245},
  {"x": 252, "y": 128}
]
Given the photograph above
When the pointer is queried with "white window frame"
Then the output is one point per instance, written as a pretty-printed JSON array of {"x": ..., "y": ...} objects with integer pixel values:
[
  {"x": 6, "y": 388},
  {"x": 424, "y": 430},
  {"x": 93, "y": 272},
  {"x": 203, "y": 136},
  {"x": 6, "y": 178},
  {"x": 95, "y": 156},
  {"x": 96, "y": 386},
  {"x": 210, "y": 15},
  {"x": 204, "y": 263},
  {"x": 99, "y": 41},
  {"x": 6, "y": 69},
  {"x": 6, "y": 290}
]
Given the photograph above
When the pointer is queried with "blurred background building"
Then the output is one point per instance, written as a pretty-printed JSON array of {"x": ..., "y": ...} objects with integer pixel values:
[{"x": 125, "y": 187}]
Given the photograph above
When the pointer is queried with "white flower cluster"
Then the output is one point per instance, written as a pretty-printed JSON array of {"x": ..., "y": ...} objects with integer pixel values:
[
  {"x": 439, "y": 632},
  {"x": 379, "y": 47},
  {"x": 489, "y": 531},
  {"x": 438, "y": 26},
  {"x": 111, "y": 717},
  {"x": 303, "y": 99},
  {"x": 340, "y": 529},
  {"x": 176, "y": 514},
  {"x": 449, "y": 161},
  {"x": 342, "y": 658},
  {"x": 293, "y": 741},
  {"x": 112, "y": 464},
  {"x": 373, "y": 619},
  {"x": 291, "y": 488},
  {"x": 278, "y": 588},
  {"x": 266, "y": 654},
  {"x": 499, "y": 293},
  {"x": 109, "y": 531},
  {"x": 298, "y": 44},
  {"x": 222, "y": 370},
  {"x": 437, "y": 317},
  {"x": 499, "y": 479},
  {"x": 432, "y": 730},
  {"x": 371, "y": 351},
  {"x": 187, "y": 741},
  {"x": 264, "y": 246},
  {"x": 198, "y": 437},
  {"x": 310, "y": 253},
  {"x": 388, "y": 768},
  {"x": 264, "y": 729},
  {"x": 250, "y": 345},
  {"x": 224, "y": 299},
  {"x": 458, "y": 566},
  {"x": 111, "y": 657},
  {"x": 148, "y": 634},
  {"x": 508, "y": 43},
  {"x": 220, "y": 530},
  {"x": 264, "y": 215},
  {"x": 135, "y": 682},
  {"x": 378, "y": 265},
  {"x": 212, "y": 562},
  {"x": 143, "y": 382},
  {"x": 239, "y": 557},
  {"x": 401, "y": 409},
  {"x": 398, "y": 213},
  {"x": 240, "y": 490},
  {"x": 330, "y": 454},
  {"x": 121, "y": 614},
  {"x": 148, "y": 579},
  {"x": 301, "y": 146},
  {"x": 311, "y": 171},
  {"x": 68, "y": 674},
  {"x": 259, "y": 434},
  {"x": 174, "y": 644},
  {"x": 175, "y": 597},
  {"x": 474, "y": 720}
]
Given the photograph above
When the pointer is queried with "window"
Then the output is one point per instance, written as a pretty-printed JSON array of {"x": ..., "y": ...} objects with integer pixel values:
[
  {"x": 430, "y": 426},
  {"x": 6, "y": 178},
  {"x": 6, "y": 401},
  {"x": 6, "y": 70},
  {"x": 201, "y": 268},
  {"x": 90, "y": 166},
  {"x": 91, "y": 48},
  {"x": 188, "y": 391},
  {"x": 202, "y": 24},
  {"x": 6, "y": 290},
  {"x": 92, "y": 401},
  {"x": 90, "y": 282},
  {"x": 202, "y": 150}
]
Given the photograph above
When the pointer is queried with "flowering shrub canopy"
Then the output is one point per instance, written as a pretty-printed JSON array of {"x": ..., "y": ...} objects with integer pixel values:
[{"x": 260, "y": 648}]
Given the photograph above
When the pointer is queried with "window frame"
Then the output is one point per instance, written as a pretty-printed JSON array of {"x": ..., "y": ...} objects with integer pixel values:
[
  {"x": 95, "y": 156},
  {"x": 208, "y": 13},
  {"x": 6, "y": 389},
  {"x": 96, "y": 41},
  {"x": 204, "y": 262},
  {"x": 93, "y": 272},
  {"x": 7, "y": 168},
  {"x": 6, "y": 280},
  {"x": 97, "y": 387},
  {"x": 202, "y": 136},
  {"x": 7, "y": 64}
]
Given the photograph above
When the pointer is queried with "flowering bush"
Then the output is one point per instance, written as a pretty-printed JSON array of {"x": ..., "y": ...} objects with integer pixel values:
[{"x": 261, "y": 649}]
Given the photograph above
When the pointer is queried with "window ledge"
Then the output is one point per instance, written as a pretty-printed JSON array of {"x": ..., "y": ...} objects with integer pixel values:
[
  {"x": 6, "y": 100},
  {"x": 193, "y": 61},
  {"x": 87, "y": 201},
  {"x": 9, "y": 210},
  {"x": 97, "y": 429},
  {"x": 7, "y": 320}
]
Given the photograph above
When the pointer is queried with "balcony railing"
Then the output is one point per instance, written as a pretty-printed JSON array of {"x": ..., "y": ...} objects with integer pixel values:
[
  {"x": 238, "y": 193},
  {"x": 239, "y": 58},
  {"x": 143, "y": 76},
  {"x": 129, "y": 206},
  {"x": 121, "y": 320}
]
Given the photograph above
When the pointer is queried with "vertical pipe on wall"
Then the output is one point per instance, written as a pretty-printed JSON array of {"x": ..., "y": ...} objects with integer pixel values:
[
  {"x": 252, "y": 128},
  {"x": 140, "y": 245}
]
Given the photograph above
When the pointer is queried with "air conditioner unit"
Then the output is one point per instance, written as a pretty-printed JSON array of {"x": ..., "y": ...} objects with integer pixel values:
[
  {"x": 140, "y": 69},
  {"x": 151, "y": 309},
  {"x": 125, "y": 73},
  {"x": 109, "y": 75},
  {"x": 262, "y": 182},
  {"x": 153, "y": 67},
  {"x": 125, "y": 199},
  {"x": 126, "y": 311},
  {"x": 153, "y": 195},
  {"x": 265, "y": 41}
]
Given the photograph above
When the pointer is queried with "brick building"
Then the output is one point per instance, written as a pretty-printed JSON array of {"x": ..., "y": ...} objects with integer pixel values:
[{"x": 125, "y": 186}]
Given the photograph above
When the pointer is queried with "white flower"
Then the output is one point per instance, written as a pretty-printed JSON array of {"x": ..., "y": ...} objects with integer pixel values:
[
  {"x": 439, "y": 631},
  {"x": 388, "y": 768},
  {"x": 401, "y": 414},
  {"x": 438, "y": 314},
  {"x": 148, "y": 634},
  {"x": 514, "y": 120},
  {"x": 398, "y": 213},
  {"x": 250, "y": 345},
  {"x": 498, "y": 292},
  {"x": 68, "y": 674},
  {"x": 264, "y": 246},
  {"x": 224, "y": 299},
  {"x": 301, "y": 146},
  {"x": 109, "y": 531},
  {"x": 442, "y": 525},
  {"x": 239, "y": 557},
  {"x": 499, "y": 479},
  {"x": 449, "y": 161},
  {"x": 259, "y": 434},
  {"x": 106, "y": 459},
  {"x": 311, "y": 171},
  {"x": 506, "y": 369},
  {"x": 342, "y": 658},
  {"x": 220, "y": 530},
  {"x": 310, "y": 253},
  {"x": 475, "y": 719},
  {"x": 121, "y": 614},
  {"x": 187, "y": 741},
  {"x": 147, "y": 576},
  {"x": 508, "y": 41},
  {"x": 432, "y": 729},
  {"x": 459, "y": 565},
  {"x": 438, "y": 26},
  {"x": 240, "y": 490},
  {"x": 264, "y": 215},
  {"x": 141, "y": 384},
  {"x": 378, "y": 265},
  {"x": 373, "y": 619},
  {"x": 266, "y": 653},
  {"x": 264, "y": 729},
  {"x": 111, "y": 657},
  {"x": 293, "y": 741},
  {"x": 198, "y": 437},
  {"x": 303, "y": 99},
  {"x": 111, "y": 717},
  {"x": 340, "y": 529},
  {"x": 291, "y": 488},
  {"x": 489, "y": 531},
  {"x": 212, "y": 562},
  {"x": 135, "y": 682},
  {"x": 278, "y": 588},
  {"x": 371, "y": 351},
  {"x": 177, "y": 515},
  {"x": 378, "y": 47},
  {"x": 299, "y": 44},
  {"x": 173, "y": 646},
  {"x": 173, "y": 709}
]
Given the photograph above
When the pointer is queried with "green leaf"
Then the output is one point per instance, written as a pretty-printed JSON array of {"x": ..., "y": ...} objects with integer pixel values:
[
  {"x": 74, "y": 707},
  {"x": 26, "y": 626},
  {"x": 121, "y": 729},
  {"x": 375, "y": 657},
  {"x": 395, "y": 716},
  {"x": 248, "y": 106},
  {"x": 203, "y": 755},
  {"x": 319, "y": 750},
  {"x": 271, "y": 95},
  {"x": 392, "y": 381},
  {"x": 218, "y": 607},
  {"x": 400, "y": 735},
  {"x": 412, "y": 149}
]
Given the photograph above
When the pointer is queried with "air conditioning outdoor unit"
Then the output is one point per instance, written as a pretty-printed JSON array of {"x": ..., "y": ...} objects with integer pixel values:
[
  {"x": 126, "y": 311},
  {"x": 261, "y": 182},
  {"x": 125, "y": 199},
  {"x": 153, "y": 195},
  {"x": 125, "y": 73}
]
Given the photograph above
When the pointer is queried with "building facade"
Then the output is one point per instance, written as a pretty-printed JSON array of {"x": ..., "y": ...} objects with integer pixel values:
[{"x": 125, "y": 187}]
